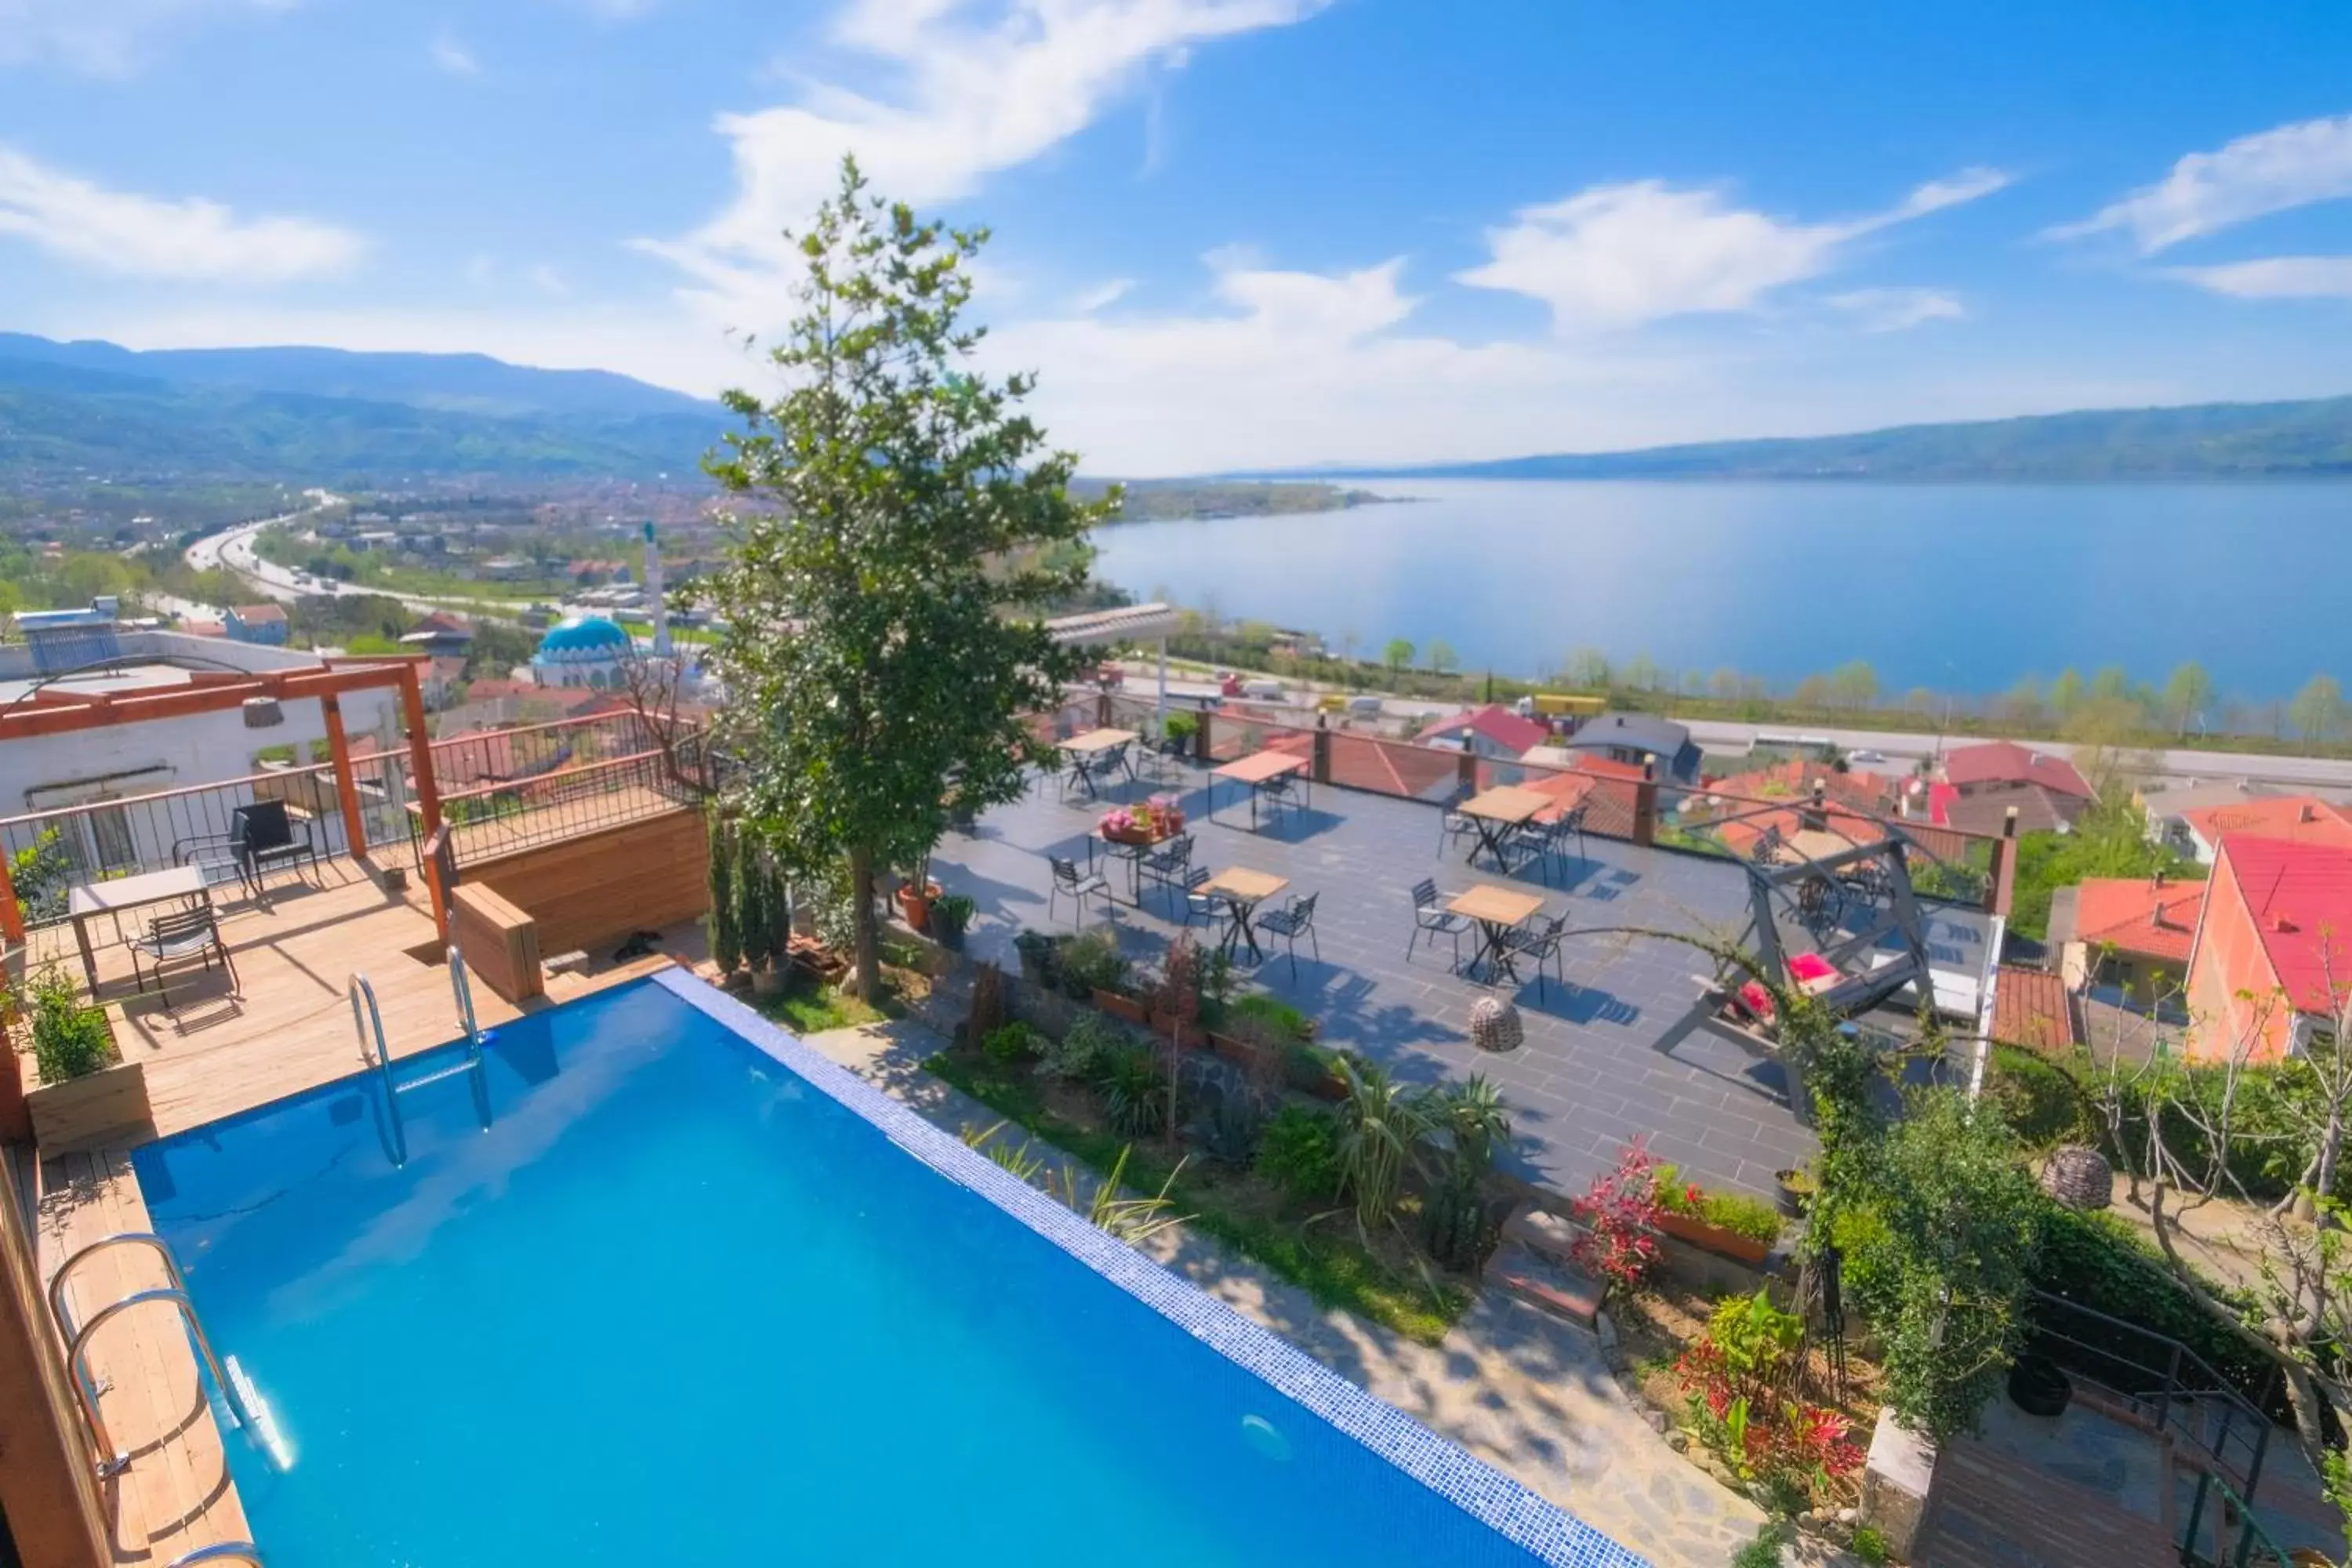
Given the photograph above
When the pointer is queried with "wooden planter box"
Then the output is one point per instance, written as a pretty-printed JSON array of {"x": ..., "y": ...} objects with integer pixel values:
[
  {"x": 1187, "y": 1035},
  {"x": 91, "y": 1108},
  {"x": 1714, "y": 1238},
  {"x": 1119, "y": 1006}
]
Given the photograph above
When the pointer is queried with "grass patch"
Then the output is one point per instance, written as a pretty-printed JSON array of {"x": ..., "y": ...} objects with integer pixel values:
[
  {"x": 808, "y": 1005},
  {"x": 1328, "y": 1259}
]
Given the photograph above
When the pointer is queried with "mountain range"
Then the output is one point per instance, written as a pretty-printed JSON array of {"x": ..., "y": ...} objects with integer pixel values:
[
  {"x": 2213, "y": 440},
  {"x": 81, "y": 411},
  {"x": 322, "y": 415}
]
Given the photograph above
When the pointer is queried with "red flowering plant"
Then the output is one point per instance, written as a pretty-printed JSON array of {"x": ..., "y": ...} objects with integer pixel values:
[
  {"x": 1619, "y": 1216},
  {"x": 1742, "y": 1377}
]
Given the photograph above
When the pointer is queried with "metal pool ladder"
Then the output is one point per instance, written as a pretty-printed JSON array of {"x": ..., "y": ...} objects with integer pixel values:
[
  {"x": 111, "y": 1461},
  {"x": 221, "y": 1552},
  {"x": 369, "y": 1026}
]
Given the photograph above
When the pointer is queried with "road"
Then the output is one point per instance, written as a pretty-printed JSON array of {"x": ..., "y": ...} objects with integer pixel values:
[
  {"x": 233, "y": 550},
  {"x": 2290, "y": 773}
]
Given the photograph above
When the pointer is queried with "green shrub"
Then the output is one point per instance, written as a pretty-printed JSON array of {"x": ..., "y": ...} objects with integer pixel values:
[
  {"x": 1308, "y": 1068},
  {"x": 1092, "y": 962},
  {"x": 1764, "y": 1552},
  {"x": 1298, "y": 1151},
  {"x": 1868, "y": 1545},
  {"x": 1287, "y": 1022},
  {"x": 1133, "y": 1094},
  {"x": 1077, "y": 1056},
  {"x": 1015, "y": 1042},
  {"x": 69, "y": 1040},
  {"x": 2043, "y": 1102}
]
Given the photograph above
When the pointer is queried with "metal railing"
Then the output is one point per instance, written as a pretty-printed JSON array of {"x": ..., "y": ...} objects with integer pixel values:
[
  {"x": 2253, "y": 1546},
  {"x": 110, "y": 1460},
  {"x": 2178, "y": 1388},
  {"x": 51, "y": 852},
  {"x": 497, "y": 819},
  {"x": 221, "y": 1552}
]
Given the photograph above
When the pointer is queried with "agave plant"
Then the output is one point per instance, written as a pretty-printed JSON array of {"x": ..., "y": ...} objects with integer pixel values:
[
  {"x": 1133, "y": 1220},
  {"x": 1382, "y": 1126}
]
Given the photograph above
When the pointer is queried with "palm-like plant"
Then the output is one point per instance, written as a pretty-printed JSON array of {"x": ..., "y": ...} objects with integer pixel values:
[
  {"x": 1474, "y": 1123},
  {"x": 1382, "y": 1126}
]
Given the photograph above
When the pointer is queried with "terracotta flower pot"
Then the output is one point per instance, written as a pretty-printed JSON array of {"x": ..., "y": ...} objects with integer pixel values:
[
  {"x": 1713, "y": 1238},
  {"x": 915, "y": 904}
]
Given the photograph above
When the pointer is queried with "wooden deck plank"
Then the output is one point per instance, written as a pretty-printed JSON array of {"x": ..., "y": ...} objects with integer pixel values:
[{"x": 176, "y": 1494}]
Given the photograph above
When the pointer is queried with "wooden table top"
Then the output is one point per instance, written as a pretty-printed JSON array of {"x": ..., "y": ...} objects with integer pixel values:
[
  {"x": 130, "y": 892},
  {"x": 1240, "y": 882},
  {"x": 1506, "y": 802},
  {"x": 1095, "y": 740},
  {"x": 1491, "y": 905},
  {"x": 1260, "y": 766}
]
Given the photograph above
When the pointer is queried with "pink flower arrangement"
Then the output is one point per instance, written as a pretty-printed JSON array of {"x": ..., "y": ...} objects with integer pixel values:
[{"x": 1119, "y": 820}]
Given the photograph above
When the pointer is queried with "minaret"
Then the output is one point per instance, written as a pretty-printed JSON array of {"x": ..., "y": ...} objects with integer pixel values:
[{"x": 654, "y": 590}]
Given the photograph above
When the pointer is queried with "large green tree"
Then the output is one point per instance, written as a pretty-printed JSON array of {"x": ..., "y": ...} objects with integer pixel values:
[{"x": 883, "y": 637}]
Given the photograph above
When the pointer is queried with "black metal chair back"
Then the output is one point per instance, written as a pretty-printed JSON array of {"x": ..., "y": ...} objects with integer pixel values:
[
  {"x": 1066, "y": 872},
  {"x": 1425, "y": 893},
  {"x": 178, "y": 926},
  {"x": 264, "y": 825}
]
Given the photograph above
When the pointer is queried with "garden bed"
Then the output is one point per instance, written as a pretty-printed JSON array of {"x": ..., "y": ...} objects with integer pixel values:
[{"x": 1315, "y": 1243}]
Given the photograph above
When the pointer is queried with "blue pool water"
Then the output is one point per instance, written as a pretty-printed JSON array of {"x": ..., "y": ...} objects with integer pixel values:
[{"x": 682, "y": 1303}]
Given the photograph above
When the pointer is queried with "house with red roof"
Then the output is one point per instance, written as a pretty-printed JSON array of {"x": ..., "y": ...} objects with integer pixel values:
[
  {"x": 1494, "y": 732},
  {"x": 2271, "y": 968},
  {"x": 2128, "y": 937},
  {"x": 1985, "y": 782},
  {"x": 2031, "y": 1007},
  {"x": 2297, "y": 818}
]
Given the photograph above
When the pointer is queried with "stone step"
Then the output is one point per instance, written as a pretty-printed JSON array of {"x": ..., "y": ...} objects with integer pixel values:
[
  {"x": 1540, "y": 1230},
  {"x": 1546, "y": 1282}
]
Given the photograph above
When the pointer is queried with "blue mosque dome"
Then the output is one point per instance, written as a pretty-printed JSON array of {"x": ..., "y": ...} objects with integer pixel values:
[{"x": 582, "y": 639}]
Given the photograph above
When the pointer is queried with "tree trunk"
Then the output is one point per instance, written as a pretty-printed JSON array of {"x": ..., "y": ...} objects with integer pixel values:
[{"x": 861, "y": 893}]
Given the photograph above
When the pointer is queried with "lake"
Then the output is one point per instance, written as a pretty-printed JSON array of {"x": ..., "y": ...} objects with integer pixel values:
[{"x": 1961, "y": 588}]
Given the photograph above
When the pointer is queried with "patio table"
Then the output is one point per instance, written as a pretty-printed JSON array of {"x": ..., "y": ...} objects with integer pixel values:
[
  {"x": 1496, "y": 911},
  {"x": 1258, "y": 770},
  {"x": 1497, "y": 811},
  {"x": 1093, "y": 750},
  {"x": 1243, "y": 891},
  {"x": 113, "y": 897}
]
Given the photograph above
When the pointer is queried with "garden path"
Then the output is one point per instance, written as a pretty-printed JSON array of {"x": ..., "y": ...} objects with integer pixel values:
[{"x": 1528, "y": 1394}]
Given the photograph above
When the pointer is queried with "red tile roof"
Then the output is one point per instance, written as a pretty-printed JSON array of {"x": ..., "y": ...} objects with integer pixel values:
[
  {"x": 2300, "y": 818},
  {"x": 2030, "y": 1008},
  {"x": 1497, "y": 723},
  {"x": 2134, "y": 915},
  {"x": 257, "y": 614},
  {"x": 2006, "y": 762},
  {"x": 1607, "y": 767},
  {"x": 2301, "y": 899},
  {"x": 1382, "y": 767},
  {"x": 1794, "y": 780}
]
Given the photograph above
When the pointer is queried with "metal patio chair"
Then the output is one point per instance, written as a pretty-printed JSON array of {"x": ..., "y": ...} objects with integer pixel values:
[
  {"x": 1432, "y": 919},
  {"x": 1292, "y": 923},
  {"x": 180, "y": 936},
  {"x": 1541, "y": 943},
  {"x": 1081, "y": 886}
]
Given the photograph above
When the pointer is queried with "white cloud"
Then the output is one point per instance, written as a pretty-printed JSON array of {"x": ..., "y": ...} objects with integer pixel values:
[
  {"x": 1101, "y": 296},
  {"x": 977, "y": 94},
  {"x": 2275, "y": 278},
  {"x": 1620, "y": 255},
  {"x": 2270, "y": 172},
  {"x": 146, "y": 237},
  {"x": 451, "y": 57},
  {"x": 1897, "y": 309},
  {"x": 104, "y": 37}
]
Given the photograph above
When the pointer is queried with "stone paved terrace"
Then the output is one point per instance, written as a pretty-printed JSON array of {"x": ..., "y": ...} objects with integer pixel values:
[{"x": 1610, "y": 1056}]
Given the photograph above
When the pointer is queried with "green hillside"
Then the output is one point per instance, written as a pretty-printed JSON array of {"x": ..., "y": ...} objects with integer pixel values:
[{"x": 2215, "y": 440}]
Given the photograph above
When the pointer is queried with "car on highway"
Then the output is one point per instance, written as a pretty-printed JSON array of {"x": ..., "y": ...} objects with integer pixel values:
[{"x": 1867, "y": 755}]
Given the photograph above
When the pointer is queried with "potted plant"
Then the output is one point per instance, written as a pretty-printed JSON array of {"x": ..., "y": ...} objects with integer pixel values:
[
  {"x": 2038, "y": 1386},
  {"x": 726, "y": 937},
  {"x": 918, "y": 893},
  {"x": 950, "y": 916},
  {"x": 1796, "y": 1190},
  {"x": 1742, "y": 1229},
  {"x": 1040, "y": 963},
  {"x": 85, "y": 1087},
  {"x": 1175, "y": 1000}
]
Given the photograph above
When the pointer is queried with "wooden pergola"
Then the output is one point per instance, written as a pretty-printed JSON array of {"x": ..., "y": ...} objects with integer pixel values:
[{"x": 48, "y": 710}]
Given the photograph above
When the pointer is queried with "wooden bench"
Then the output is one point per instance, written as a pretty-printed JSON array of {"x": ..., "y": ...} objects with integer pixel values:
[{"x": 499, "y": 942}]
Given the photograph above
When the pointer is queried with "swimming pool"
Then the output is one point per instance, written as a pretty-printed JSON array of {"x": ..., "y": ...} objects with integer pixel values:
[{"x": 698, "y": 1296}]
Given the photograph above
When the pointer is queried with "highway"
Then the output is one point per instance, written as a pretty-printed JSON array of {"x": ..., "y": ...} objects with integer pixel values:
[
  {"x": 1899, "y": 749},
  {"x": 233, "y": 550}
]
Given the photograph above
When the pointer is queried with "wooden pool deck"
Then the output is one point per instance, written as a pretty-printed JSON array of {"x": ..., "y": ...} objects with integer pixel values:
[{"x": 212, "y": 1053}]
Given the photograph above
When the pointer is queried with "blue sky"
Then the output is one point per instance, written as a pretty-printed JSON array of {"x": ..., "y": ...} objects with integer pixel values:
[{"x": 1235, "y": 232}]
